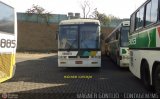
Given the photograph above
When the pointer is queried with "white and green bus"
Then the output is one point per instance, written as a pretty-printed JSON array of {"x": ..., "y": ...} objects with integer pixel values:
[
  {"x": 117, "y": 44},
  {"x": 144, "y": 44},
  {"x": 8, "y": 41},
  {"x": 79, "y": 43}
]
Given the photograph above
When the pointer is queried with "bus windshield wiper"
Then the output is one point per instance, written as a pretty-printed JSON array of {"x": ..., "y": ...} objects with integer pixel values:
[
  {"x": 71, "y": 45},
  {"x": 83, "y": 42}
]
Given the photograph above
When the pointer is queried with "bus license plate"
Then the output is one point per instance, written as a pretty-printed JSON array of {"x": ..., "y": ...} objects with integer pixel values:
[{"x": 78, "y": 62}]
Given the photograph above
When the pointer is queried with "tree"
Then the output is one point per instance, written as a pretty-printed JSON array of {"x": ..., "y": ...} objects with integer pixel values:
[
  {"x": 41, "y": 12},
  {"x": 103, "y": 18},
  {"x": 36, "y": 9},
  {"x": 85, "y": 8}
]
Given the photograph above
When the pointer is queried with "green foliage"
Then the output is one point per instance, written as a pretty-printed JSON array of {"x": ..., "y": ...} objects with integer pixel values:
[
  {"x": 102, "y": 17},
  {"x": 36, "y": 9},
  {"x": 41, "y": 12}
]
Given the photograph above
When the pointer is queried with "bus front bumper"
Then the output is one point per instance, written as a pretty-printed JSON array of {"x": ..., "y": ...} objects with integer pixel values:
[
  {"x": 79, "y": 63},
  {"x": 124, "y": 63}
]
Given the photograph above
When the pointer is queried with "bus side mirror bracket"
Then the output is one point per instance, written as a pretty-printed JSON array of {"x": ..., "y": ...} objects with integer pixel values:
[{"x": 56, "y": 37}]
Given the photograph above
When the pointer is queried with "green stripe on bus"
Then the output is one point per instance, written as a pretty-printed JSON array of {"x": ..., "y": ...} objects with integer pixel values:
[
  {"x": 153, "y": 38},
  {"x": 145, "y": 39},
  {"x": 148, "y": 39}
]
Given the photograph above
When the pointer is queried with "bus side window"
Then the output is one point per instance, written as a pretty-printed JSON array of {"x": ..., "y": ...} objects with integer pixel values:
[
  {"x": 151, "y": 12},
  {"x": 137, "y": 20},
  {"x": 117, "y": 35},
  {"x": 158, "y": 12},
  {"x": 141, "y": 15},
  {"x": 148, "y": 14},
  {"x": 154, "y": 11}
]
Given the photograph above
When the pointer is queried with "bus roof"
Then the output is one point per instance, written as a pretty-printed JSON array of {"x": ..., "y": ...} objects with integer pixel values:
[
  {"x": 124, "y": 23},
  {"x": 79, "y": 21},
  {"x": 140, "y": 7}
]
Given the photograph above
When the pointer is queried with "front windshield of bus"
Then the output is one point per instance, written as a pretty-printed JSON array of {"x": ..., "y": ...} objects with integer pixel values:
[
  {"x": 68, "y": 37},
  {"x": 6, "y": 19},
  {"x": 124, "y": 36},
  {"x": 89, "y": 36}
]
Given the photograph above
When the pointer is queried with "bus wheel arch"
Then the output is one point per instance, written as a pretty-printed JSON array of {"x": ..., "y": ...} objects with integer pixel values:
[
  {"x": 156, "y": 76},
  {"x": 145, "y": 74}
]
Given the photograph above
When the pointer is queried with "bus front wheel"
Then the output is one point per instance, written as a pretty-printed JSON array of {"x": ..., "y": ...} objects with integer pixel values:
[{"x": 157, "y": 79}]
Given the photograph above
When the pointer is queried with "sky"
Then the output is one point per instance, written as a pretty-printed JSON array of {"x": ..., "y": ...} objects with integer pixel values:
[{"x": 118, "y": 8}]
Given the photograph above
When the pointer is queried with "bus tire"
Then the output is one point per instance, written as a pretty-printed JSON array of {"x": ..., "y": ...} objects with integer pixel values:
[
  {"x": 156, "y": 78},
  {"x": 145, "y": 75}
]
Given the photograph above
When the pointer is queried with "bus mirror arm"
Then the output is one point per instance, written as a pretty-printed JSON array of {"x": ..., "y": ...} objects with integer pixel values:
[{"x": 57, "y": 32}]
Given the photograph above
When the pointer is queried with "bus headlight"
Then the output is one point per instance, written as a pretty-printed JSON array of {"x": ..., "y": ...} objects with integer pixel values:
[
  {"x": 97, "y": 56},
  {"x": 92, "y": 57},
  {"x": 125, "y": 57}
]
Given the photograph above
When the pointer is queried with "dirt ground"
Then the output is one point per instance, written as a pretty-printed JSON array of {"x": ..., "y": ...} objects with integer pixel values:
[{"x": 31, "y": 56}]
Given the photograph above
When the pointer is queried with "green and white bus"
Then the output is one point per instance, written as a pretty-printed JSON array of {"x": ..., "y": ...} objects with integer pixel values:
[
  {"x": 144, "y": 44},
  {"x": 117, "y": 44},
  {"x": 79, "y": 43}
]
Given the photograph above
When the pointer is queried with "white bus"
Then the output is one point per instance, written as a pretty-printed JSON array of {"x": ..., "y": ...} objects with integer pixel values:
[
  {"x": 144, "y": 44},
  {"x": 8, "y": 41},
  {"x": 79, "y": 43},
  {"x": 117, "y": 44}
]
